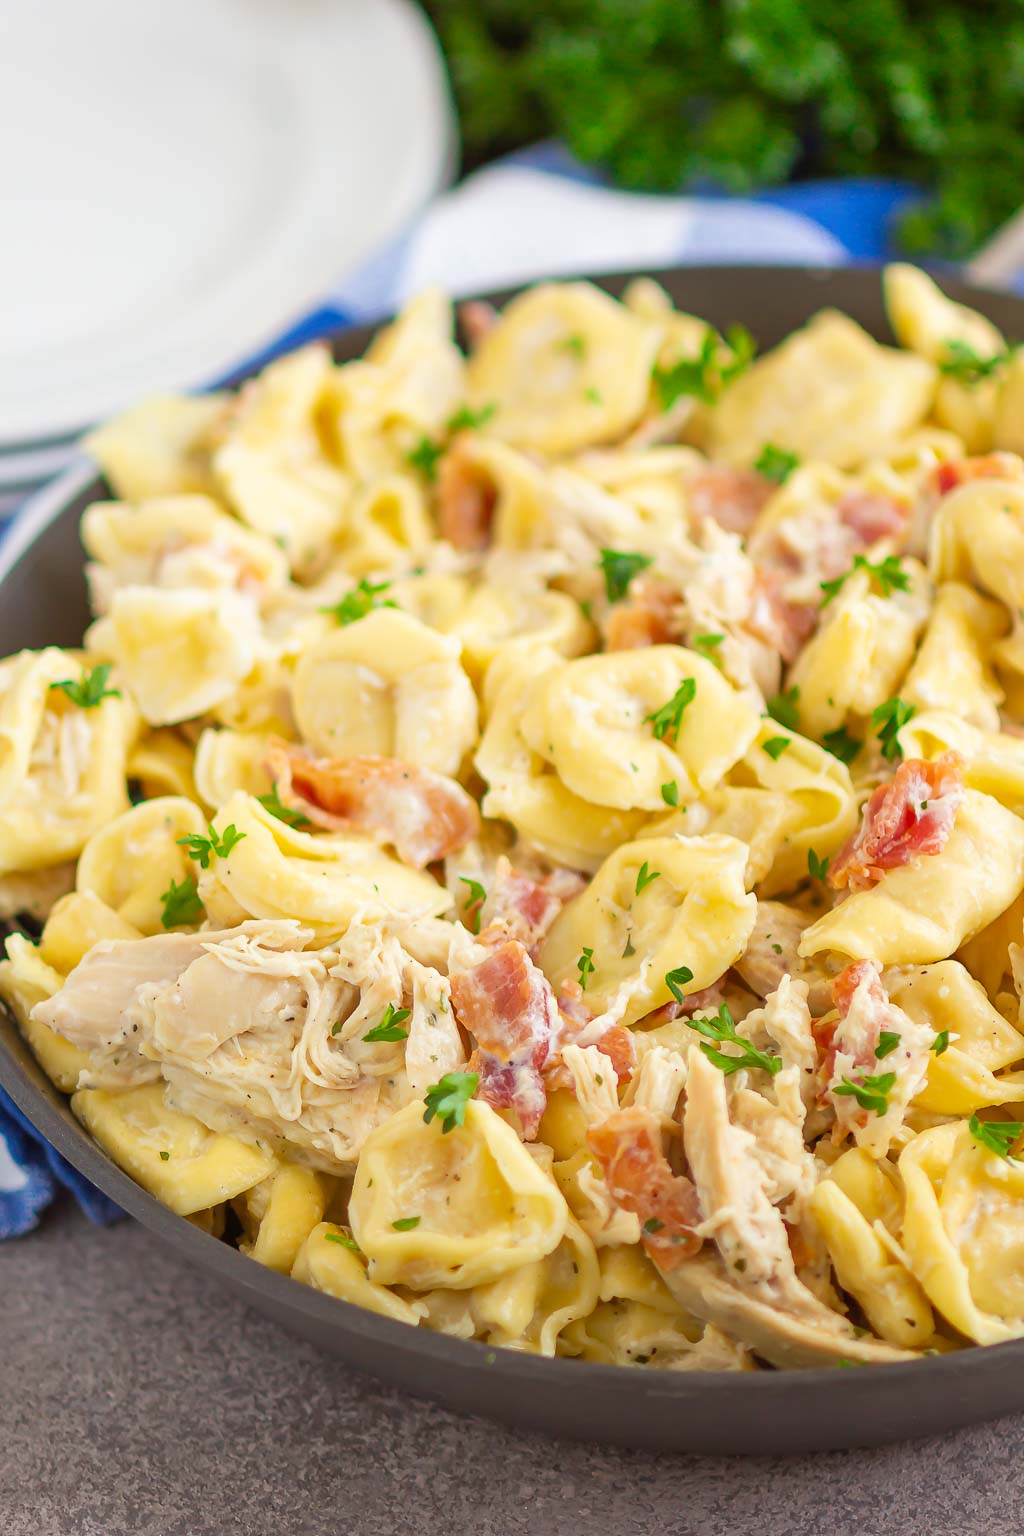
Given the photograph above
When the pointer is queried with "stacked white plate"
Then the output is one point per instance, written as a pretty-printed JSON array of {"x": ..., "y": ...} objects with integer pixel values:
[{"x": 181, "y": 183}]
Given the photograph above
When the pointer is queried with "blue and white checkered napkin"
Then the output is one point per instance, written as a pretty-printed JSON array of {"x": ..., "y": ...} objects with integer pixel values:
[{"x": 534, "y": 215}]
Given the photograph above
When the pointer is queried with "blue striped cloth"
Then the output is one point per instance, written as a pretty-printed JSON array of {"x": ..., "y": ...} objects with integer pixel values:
[{"x": 536, "y": 214}]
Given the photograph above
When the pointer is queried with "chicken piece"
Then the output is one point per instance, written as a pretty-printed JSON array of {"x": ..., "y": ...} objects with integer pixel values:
[
  {"x": 732, "y": 498},
  {"x": 659, "y": 1082},
  {"x": 911, "y": 816},
  {"x": 596, "y": 1087},
  {"x": 877, "y": 1048},
  {"x": 506, "y": 1003},
  {"x": 466, "y": 499},
  {"x": 639, "y": 1177},
  {"x": 772, "y": 953},
  {"x": 423, "y": 815}
]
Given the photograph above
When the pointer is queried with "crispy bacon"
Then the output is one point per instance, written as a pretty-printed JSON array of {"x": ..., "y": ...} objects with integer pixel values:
[
  {"x": 650, "y": 615},
  {"x": 910, "y": 816},
  {"x": 873, "y": 516},
  {"x": 628, "y": 1147},
  {"x": 852, "y": 1056},
  {"x": 466, "y": 498},
  {"x": 779, "y": 623},
  {"x": 505, "y": 1002},
  {"x": 616, "y": 1043},
  {"x": 518, "y": 907},
  {"x": 732, "y": 498},
  {"x": 477, "y": 318},
  {"x": 424, "y": 815},
  {"x": 948, "y": 477}
]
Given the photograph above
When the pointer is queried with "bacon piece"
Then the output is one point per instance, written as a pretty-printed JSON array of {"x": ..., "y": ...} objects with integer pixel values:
[
  {"x": 732, "y": 498},
  {"x": 774, "y": 619},
  {"x": 506, "y": 1003},
  {"x": 948, "y": 477},
  {"x": 873, "y": 516},
  {"x": 518, "y": 907},
  {"x": 651, "y": 614},
  {"x": 910, "y": 816},
  {"x": 628, "y": 1147},
  {"x": 477, "y": 318},
  {"x": 466, "y": 498},
  {"x": 424, "y": 815},
  {"x": 616, "y": 1043}
]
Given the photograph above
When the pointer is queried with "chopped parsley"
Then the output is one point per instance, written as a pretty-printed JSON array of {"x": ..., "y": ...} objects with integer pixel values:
[
  {"x": 652, "y": 1225},
  {"x": 783, "y": 708},
  {"x": 574, "y": 344},
  {"x": 888, "y": 1040},
  {"x": 165, "y": 1157},
  {"x": 593, "y": 395},
  {"x": 646, "y": 877},
  {"x": 182, "y": 907},
  {"x": 425, "y": 456},
  {"x": 775, "y": 463},
  {"x": 585, "y": 966},
  {"x": 203, "y": 849},
  {"x": 406, "y": 1223},
  {"x": 708, "y": 647},
  {"x": 967, "y": 366},
  {"x": 619, "y": 568},
  {"x": 343, "y": 1239},
  {"x": 360, "y": 601},
  {"x": 390, "y": 1026},
  {"x": 871, "y": 1093},
  {"x": 996, "y": 1136},
  {"x": 888, "y": 720},
  {"x": 775, "y": 746},
  {"x": 722, "y": 1029},
  {"x": 468, "y": 420},
  {"x": 475, "y": 898},
  {"x": 817, "y": 868},
  {"x": 841, "y": 744},
  {"x": 670, "y": 793},
  {"x": 705, "y": 375},
  {"x": 448, "y": 1098},
  {"x": 91, "y": 689},
  {"x": 289, "y": 814},
  {"x": 669, "y": 716},
  {"x": 676, "y": 980},
  {"x": 940, "y": 1045},
  {"x": 887, "y": 574}
]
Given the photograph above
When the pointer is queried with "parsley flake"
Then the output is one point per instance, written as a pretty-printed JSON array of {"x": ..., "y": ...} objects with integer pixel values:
[
  {"x": 390, "y": 1026},
  {"x": 289, "y": 814},
  {"x": 203, "y": 849},
  {"x": 676, "y": 980},
  {"x": 963, "y": 363},
  {"x": 593, "y": 395},
  {"x": 448, "y": 1098},
  {"x": 783, "y": 708},
  {"x": 406, "y": 1223},
  {"x": 841, "y": 744},
  {"x": 466, "y": 419},
  {"x": 363, "y": 598},
  {"x": 888, "y": 720},
  {"x": 706, "y": 374},
  {"x": 165, "y": 1157},
  {"x": 887, "y": 574},
  {"x": 343, "y": 1239},
  {"x": 574, "y": 344},
  {"x": 670, "y": 793},
  {"x": 871, "y": 1093},
  {"x": 708, "y": 647},
  {"x": 425, "y": 456},
  {"x": 817, "y": 868},
  {"x": 619, "y": 568},
  {"x": 585, "y": 966},
  {"x": 91, "y": 689},
  {"x": 669, "y": 716},
  {"x": 940, "y": 1045},
  {"x": 646, "y": 877},
  {"x": 996, "y": 1136},
  {"x": 722, "y": 1029},
  {"x": 182, "y": 907},
  {"x": 888, "y": 1040},
  {"x": 652, "y": 1225},
  {"x": 775, "y": 746},
  {"x": 475, "y": 898},
  {"x": 775, "y": 463}
]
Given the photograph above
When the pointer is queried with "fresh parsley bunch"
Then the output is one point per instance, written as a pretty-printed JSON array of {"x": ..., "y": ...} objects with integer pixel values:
[{"x": 751, "y": 92}]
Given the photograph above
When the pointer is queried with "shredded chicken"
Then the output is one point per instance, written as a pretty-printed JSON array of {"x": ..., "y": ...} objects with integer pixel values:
[{"x": 773, "y": 952}]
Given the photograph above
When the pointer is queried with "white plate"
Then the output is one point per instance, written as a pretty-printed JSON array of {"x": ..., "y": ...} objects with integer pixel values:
[{"x": 182, "y": 180}]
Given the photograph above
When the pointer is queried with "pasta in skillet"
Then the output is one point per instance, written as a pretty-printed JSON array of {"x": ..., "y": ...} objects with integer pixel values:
[{"x": 532, "y": 843}]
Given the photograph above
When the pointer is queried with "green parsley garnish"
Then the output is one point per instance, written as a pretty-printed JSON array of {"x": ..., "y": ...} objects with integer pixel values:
[
  {"x": 593, "y": 395},
  {"x": 887, "y": 574},
  {"x": 425, "y": 456},
  {"x": 783, "y": 708},
  {"x": 676, "y": 980},
  {"x": 670, "y": 792},
  {"x": 574, "y": 344},
  {"x": 775, "y": 463},
  {"x": 817, "y": 868},
  {"x": 705, "y": 375},
  {"x": 722, "y": 1028},
  {"x": 182, "y": 907},
  {"x": 342, "y": 1239},
  {"x": 669, "y": 716},
  {"x": 964, "y": 364},
  {"x": 448, "y": 1099},
  {"x": 585, "y": 966},
  {"x": 646, "y": 877},
  {"x": 775, "y": 746},
  {"x": 996, "y": 1136},
  {"x": 708, "y": 647},
  {"x": 475, "y": 898},
  {"x": 841, "y": 744},
  {"x": 619, "y": 567},
  {"x": 390, "y": 1026},
  {"x": 870, "y": 1092},
  {"x": 360, "y": 601},
  {"x": 91, "y": 689},
  {"x": 286, "y": 813},
  {"x": 468, "y": 420},
  {"x": 406, "y": 1223},
  {"x": 652, "y": 1225},
  {"x": 940, "y": 1045},
  {"x": 888, "y": 1040},
  {"x": 165, "y": 1157},
  {"x": 203, "y": 849},
  {"x": 888, "y": 720}
]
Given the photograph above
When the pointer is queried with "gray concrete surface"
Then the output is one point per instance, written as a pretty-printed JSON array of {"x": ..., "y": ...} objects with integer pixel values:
[{"x": 136, "y": 1399}]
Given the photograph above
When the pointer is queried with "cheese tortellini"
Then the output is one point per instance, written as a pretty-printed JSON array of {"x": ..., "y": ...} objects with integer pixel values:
[{"x": 532, "y": 842}]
